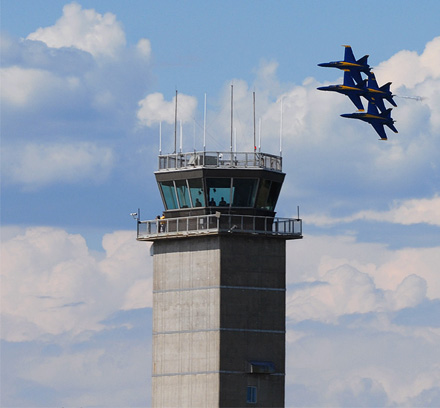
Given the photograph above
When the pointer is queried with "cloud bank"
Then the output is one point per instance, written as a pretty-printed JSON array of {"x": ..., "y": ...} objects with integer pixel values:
[
  {"x": 64, "y": 86},
  {"x": 61, "y": 287},
  {"x": 357, "y": 315}
]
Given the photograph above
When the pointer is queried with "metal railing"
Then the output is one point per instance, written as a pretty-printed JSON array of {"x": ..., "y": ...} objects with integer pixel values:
[
  {"x": 288, "y": 228},
  {"x": 220, "y": 159}
]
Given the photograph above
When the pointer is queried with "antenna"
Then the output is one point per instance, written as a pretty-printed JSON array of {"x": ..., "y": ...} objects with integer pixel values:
[
  {"x": 175, "y": 126},
  {"x": 204, "y": 127},
  {"x": 255, "y": 143},
  {"x": 232, "y": 114}
]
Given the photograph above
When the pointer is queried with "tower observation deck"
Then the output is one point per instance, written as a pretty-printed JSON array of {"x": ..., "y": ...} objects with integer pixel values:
[{"x": 219, "y": 280}]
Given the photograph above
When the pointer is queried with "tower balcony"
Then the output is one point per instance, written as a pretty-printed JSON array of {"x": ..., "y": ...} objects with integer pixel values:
[
  {"x": 226, "y": 160},
  {"x": 218, "y": 223}
]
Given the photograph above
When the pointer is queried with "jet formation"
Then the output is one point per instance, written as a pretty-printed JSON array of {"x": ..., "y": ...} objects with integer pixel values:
[{"x": 355, "y": 87}]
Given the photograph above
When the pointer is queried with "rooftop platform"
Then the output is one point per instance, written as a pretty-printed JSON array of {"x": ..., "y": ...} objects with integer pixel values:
[
  {"x": 211, "y": 159},
  {"x": 182, "y": 227}
]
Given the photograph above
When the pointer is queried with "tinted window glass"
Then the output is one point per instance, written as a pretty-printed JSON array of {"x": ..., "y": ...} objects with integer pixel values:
[
  {"x": 169, "y": 194},
  {"x": 219, "y": 191},
  {"x": 275, "y": 189},
  {"x": 243, "y": 191},
  {"x": 196, "y": 191},
  {"x": 263, "y": 193},
  {"x": 182, "y": 193}
]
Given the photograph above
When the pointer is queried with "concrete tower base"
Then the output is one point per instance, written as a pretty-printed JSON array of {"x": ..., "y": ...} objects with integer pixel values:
[{"x": 219, "y": 321}]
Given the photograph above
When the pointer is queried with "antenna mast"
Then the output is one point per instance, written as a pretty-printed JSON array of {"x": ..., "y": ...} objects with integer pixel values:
[
  {"x": 204, "y": 127},
  {"x": 255, "y": 142},
  {"x": 175, "y": 126},
  {"x": 232, "y": 114}
]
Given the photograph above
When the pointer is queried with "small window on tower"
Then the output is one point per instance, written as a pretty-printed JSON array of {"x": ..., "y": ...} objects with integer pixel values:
[{"x": 251, "y": 395}]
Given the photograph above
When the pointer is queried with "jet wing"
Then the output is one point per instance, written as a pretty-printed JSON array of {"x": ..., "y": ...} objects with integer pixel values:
[
  {"x": 356, "y": 75},
  {"x": 356, "y": 100},
  {"x": 378, "y": 101},
  {"x": 378, "y": 127}
]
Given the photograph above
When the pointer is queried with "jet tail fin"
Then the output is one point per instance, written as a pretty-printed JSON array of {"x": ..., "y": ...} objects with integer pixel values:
[
  {"x": 348, "y": 54},
  {"x": 363, "y": 60},
  {"x": 386, "y": 87}
]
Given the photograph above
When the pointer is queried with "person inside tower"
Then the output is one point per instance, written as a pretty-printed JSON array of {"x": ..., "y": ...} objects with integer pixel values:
[
  {"x": 222, "y": 202},
  {"x": 212, "y": 203},
  {"x": 198, "y": 203}
]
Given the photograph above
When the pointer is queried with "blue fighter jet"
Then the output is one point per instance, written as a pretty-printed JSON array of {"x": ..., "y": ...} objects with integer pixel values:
[
  {"x": 375, "y": 119},
  {"x": 376, "y": 95},
  {"x": 348, "y": 88},
  {"x": 350, "y": 63}
]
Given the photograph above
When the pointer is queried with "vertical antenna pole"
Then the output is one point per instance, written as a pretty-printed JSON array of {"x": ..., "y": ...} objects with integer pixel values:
[
  {"x": 281, "y": 128},
  {"x": 175, "y": 126},
  {"x": 232, "y": 115},
  {"x": 255, "y": 142},
  {"x": 204, "y": 127}
]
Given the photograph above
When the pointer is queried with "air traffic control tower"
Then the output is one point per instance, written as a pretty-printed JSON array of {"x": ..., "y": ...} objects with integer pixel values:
[{"x": 219, "y": 281}]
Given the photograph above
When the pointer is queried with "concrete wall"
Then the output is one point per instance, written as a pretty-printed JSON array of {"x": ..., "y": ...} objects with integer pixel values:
[{"x": 218, "y": 303}]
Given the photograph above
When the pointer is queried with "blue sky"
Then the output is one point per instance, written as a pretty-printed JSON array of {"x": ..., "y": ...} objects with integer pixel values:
[{"x": 84, "y": 86}]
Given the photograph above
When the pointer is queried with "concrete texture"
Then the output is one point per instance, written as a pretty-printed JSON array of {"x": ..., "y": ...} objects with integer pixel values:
[{"x": 218, "y": 303}]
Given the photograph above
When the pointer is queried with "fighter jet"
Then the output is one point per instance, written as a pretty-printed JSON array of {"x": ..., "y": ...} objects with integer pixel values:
[
  {"x": 375, "y": 119},
  {"x": 350, "y": 63},
  {"x": 376, "y": 95},
  {"x": 348, "y": 88}
]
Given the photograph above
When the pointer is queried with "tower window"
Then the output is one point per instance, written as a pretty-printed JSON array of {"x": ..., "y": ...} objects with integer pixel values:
[
  {"x": 219, "y": 192},
  {"x": 268, "y": 194},
  {"x": 197, "y": 194},
  {"x": 251, "y": 396},
  {"x": 243, "y": 192},
  {"x": 169, "y": 194},
  {"x": 182, "y": 193}
]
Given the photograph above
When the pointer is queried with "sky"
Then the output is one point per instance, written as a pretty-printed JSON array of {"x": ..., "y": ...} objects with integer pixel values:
[{"x": 84, "y": 86}]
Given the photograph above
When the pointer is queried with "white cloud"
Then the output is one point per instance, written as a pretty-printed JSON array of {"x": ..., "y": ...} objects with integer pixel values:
[
  {"x": 345, "y": 290},
  {"x": 349, "y": 340},
  {"x": 376, "y": 269},
  {"x": 407, "y": 68},
  {"x": 37, "y": 165},
  {"x": 154, "y": 109},
  {"x": 144, "y": 47},
  {"x": 87, "y": 30},
  {"x": 21, "y": 86},
  {"x": 53, "y": 284},
  {"x": 406, "y": 212}
]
